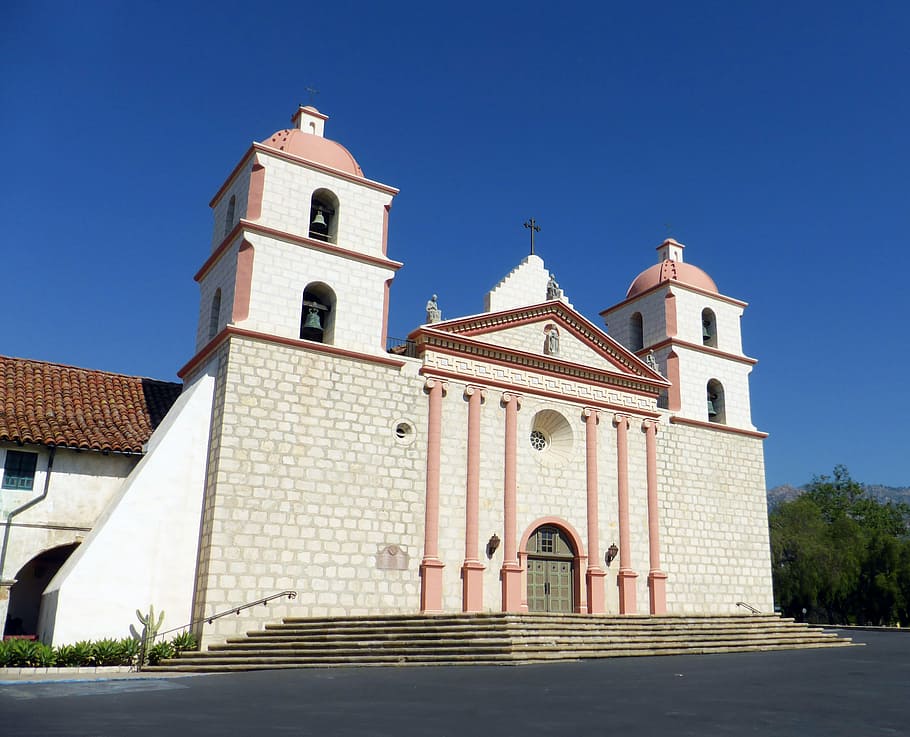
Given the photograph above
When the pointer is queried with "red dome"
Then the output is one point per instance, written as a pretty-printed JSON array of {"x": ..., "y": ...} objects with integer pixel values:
[
  {"x": 315, "y": 148},
  {"x": 671, "y": 271}
]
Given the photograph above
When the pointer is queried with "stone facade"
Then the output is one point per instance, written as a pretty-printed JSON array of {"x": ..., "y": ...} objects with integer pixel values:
[{"x": 373, "y": 482}]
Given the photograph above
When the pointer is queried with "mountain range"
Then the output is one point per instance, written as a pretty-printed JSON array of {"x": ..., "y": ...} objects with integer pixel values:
[{"x": 786, "y": 493}]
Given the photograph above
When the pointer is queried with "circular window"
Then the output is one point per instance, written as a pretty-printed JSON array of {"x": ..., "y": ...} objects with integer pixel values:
[
  {"x": 404, "y": 432},
  {"x": 539, "y": 440},
  {"x": 552, "y": 438}
]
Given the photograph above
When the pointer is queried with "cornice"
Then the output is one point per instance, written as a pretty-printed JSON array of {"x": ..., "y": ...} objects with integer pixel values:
[
  {"x": 442, "y": 342},
  {"x": 670, "y": 285},
  {"x": 675, "y": 420},
  {"x": 309, "y": 345},
  {"x": 708, "y": 350},
  {"x": 596, "y": 339},
  {"x": 278, "y": 154},
  {"x": 510, "y": 389},
  {"x": 248, "y": 226}
]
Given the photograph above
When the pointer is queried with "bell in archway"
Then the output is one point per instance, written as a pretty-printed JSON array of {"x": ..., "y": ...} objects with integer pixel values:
[
  {"x": 312, "y": 319},
  {"x": 705, "y": 331},
  {"x": 712, "y": 410},
  {"x": 318, "y": 225}
]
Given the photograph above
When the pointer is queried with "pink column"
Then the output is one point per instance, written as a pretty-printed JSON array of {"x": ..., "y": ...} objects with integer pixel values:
[
  {"x": 431, "y": 567},
  {"x": 626, "y": 577},
  {"x": 595, "y": 574},
  {"x": 657, "y": 579},
  {"x": 472, "y": 569},
  {"x": 510, "y": 573}
]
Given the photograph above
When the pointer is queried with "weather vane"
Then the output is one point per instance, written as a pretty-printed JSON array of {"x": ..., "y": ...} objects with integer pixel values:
[{"x": 535, "y": 228}]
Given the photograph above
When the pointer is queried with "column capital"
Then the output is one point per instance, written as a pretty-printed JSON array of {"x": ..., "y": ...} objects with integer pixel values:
[
  {"x": 650, "y": 425},
  {"x": 589, "y": 412},
  {"x": 431, "y": 383},
  {"x": 509, "y": 397},
  {"x": 619, "y": 419},
  {"x": 471, "y": 389}
]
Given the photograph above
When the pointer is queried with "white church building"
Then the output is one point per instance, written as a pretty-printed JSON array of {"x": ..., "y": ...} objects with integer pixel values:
[{"x": 525, "y": 458}]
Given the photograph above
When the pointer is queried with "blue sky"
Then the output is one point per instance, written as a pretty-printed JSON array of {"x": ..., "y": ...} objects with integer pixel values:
[{"x": 770, "y": 138}]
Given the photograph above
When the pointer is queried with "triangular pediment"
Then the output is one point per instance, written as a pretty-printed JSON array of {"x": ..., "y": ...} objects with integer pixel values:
[{"x": 522, "y": 336}]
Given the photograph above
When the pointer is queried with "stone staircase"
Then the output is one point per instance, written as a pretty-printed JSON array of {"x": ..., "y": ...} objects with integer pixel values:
[{"x": 493, "y": 639}]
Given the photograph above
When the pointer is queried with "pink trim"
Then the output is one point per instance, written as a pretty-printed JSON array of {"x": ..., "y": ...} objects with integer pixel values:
[
  {"x": 385, "y": 228},
  {"x": 243, "y": 282},
  {"x": 455, "y": 376},
  {"x": 457, "y": 345},
  {"x": 595, "y": 338},
  {"x": 656, "y": 577},
  {"x": 626, "y": 577},
  {"x": 310, "y": 110},
  {"x": 579, "y": 604},
  {"x": 431, "y": 567},
  {"x": 669, "y": 314},
  {"x": 256, "y": 228},
  {"x": 322, "y": 246},
  {"x": 471, "y": 570},
  {"x": 716, "y": 426},
  {"x": 254, "y": 194},
  {"x": 511, "y": 570},
  {"x": 385, "y": 312},
  {"x": 674, "y": 400},
  {"x": 675, "y": 343},
  {"x": 218, "y": 252},
  {"x": 277, "y": 153},
  {"x": 675, "y": 285},
  {"x": 230, "y": 179},
  {"x": 594, "y": 576},
  {"x": 291, "y": 342}
]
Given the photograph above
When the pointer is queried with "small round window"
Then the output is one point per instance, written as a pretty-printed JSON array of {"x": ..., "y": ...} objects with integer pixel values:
[
  {"x": 539, "y": 441},
  {"x": 403, "y": 430}
]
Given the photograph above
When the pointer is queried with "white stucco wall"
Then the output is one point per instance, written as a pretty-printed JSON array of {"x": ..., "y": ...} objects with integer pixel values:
[{"x": 143, "y": 549}]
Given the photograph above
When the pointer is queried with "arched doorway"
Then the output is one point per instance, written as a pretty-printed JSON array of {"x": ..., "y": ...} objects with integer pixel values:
[
  {"x": 550, "y": 571},
  {"x": 31, "y": 580}
]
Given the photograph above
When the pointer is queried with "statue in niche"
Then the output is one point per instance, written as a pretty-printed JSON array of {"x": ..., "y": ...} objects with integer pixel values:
[
  {"x": 651, "y": 361},
  {"x": 553, "y": 342},
  {"x": 434, "y": 314},
  {"x": 552, "y": 288}
]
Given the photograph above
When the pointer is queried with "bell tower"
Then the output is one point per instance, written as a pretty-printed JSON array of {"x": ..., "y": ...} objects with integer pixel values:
[
  {"x": 674, "y": 315},
  {"x": 299, "y": 245}
]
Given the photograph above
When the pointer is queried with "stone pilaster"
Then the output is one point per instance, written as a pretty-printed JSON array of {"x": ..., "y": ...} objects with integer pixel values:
[
  {"x": 472, "y": 569},
  {"x": 657, "y": 579},
  {"x": 626, "y": 577},
  {"x": 594, "y": 578},
  {"x": 511, "y": 569},
  {"x": 431, "y": 566}
]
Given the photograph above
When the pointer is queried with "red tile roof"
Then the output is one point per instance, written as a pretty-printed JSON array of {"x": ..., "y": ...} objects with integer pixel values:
[{"x": 51, "y": 404}]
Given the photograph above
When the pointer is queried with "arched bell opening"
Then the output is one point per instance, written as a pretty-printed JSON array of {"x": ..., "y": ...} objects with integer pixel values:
[
  {"x": 317, "y": 316},
  {"x": 215, "y": 314},
  {"x": 25, "y": 594},
  {"x": 552, "y": 559},
  {"x": 716, "y": 406},
  {"x": 636, "y": 332},
  {"x": 323, "y": 220},
  {"x": 229, "y": 216},
  {"x": 708, "y": 328}
]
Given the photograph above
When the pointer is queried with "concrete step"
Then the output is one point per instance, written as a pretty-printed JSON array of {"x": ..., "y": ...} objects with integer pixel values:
[{"x": 494, "y": 639}]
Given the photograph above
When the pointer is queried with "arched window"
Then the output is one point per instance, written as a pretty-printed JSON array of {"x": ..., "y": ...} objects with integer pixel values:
[
  {"x": 636, "y": 332},
  {"x": 708, "y": 328},
  {"x": 229, "y": 218},
  {"x": 215, "y": 314},
  {"x": 317, "y": 315},
  {"x": 716, "y": 407},
  {"x": 323, "y": 221}
]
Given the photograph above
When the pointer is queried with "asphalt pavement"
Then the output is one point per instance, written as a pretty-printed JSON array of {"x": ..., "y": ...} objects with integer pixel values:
[{"x": 855, "y": 691}]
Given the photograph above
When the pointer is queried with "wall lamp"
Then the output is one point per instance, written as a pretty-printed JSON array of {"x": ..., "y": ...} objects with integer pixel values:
[
  {"x": 611, "y": 553},
  {"x": 492, "y": 545}
]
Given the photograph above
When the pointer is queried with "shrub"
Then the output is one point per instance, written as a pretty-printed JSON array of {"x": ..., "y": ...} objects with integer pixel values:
[
  {"x": 107, "y": 652},
  {"x": 184, "y": 641},
  {"x": 129, "y": 651},
  {"x": 82, "y": 653},
  {"x": 160, "y": 651},
  {"x": 23, "y": 653},
  {"x": 44, "y": 655}
]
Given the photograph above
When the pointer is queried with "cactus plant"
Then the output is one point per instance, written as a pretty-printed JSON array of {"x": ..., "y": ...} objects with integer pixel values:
[{"x": 150, "y": 627}]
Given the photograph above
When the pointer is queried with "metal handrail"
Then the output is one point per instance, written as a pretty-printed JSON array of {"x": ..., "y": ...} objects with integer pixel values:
[
  {"x": 751, "y": 608},
  {"x": 211, "y": 618}
]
